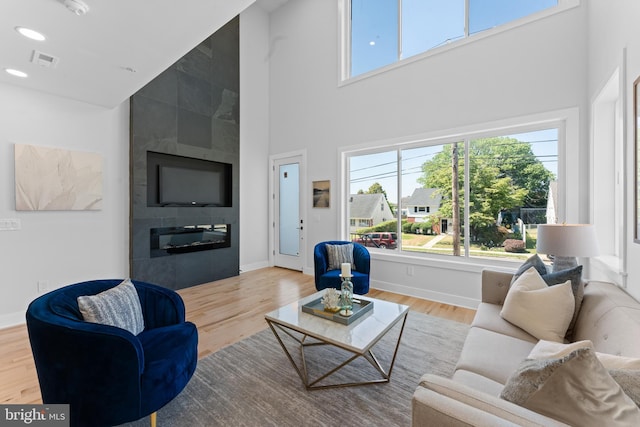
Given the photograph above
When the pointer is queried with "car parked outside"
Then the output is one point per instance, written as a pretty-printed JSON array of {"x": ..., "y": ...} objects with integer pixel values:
[{"x": 378, "y": 240}]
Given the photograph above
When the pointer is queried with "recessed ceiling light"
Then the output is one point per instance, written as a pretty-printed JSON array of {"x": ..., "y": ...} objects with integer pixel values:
[
  {"x": 16, "y": 73},
  {"x": 30, "y": 34}
]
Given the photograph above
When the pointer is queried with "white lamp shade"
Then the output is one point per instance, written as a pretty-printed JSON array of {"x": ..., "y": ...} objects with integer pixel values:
[{"x": 567, "y": 240}]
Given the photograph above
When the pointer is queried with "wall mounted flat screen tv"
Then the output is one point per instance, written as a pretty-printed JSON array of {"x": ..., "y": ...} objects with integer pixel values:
[
  {"x": 183, "y": 181},
  {"x": 191, "y": 187}
]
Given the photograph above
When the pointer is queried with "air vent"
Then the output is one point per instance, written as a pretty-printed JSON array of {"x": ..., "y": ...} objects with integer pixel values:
[{"x": 44, "y": 59}]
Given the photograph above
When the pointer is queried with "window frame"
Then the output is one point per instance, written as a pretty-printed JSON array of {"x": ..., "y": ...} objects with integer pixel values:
[
  {"x": 344, "y": 37},
  {"x": 568, "y": 209}
]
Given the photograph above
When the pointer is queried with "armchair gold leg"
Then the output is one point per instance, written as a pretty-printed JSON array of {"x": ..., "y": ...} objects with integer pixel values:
[{"x": 153, "y": 418}]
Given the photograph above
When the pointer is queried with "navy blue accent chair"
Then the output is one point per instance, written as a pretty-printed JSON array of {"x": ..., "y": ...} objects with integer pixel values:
[
  {"x": 331, "y": 278},
  {"x": 108, "y": 375}
]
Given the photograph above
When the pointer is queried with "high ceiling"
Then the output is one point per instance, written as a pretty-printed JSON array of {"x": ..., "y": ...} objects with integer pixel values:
[{"x": 109, "y": 53}]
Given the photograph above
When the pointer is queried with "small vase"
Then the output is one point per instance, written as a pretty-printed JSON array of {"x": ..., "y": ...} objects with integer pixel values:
[{"x": 346, "y": 297}]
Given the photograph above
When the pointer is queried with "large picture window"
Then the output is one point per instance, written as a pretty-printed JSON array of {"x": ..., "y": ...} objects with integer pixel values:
[
  {"x": 472, "y": 197},
  {"x": 382, "y": 32}
]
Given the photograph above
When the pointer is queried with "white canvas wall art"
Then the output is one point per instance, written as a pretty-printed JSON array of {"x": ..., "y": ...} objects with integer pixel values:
[{"x": 54, "y": 179}]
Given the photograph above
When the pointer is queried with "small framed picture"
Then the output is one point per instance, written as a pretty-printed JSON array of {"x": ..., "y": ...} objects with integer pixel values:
[{"x": 321, "y": 194}]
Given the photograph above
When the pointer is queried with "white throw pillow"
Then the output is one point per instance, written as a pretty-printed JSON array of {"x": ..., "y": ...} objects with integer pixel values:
[
  {"x": 543, "y": 311},
  {"x": 575, "y": 389},
  {"x": 624, "y": 370},
  {"x": 555, "y": 350}
]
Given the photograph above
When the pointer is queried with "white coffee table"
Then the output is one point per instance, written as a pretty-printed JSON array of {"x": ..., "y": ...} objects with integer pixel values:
[{"x": 358, "y": 338}]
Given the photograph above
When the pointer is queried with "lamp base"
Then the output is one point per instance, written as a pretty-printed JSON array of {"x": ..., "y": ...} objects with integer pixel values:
[{"x": 563, "y": 263}]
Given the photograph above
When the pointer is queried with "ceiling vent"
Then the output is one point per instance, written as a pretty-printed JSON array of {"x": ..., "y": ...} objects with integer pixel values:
[{"x": 44, "y": 59}]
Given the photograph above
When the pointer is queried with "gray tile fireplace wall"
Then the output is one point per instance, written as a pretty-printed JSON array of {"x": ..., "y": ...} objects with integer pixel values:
[{"x": 190, "y": 110}]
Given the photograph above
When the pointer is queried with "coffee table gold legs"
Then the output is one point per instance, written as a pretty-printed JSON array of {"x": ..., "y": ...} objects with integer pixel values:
[{"x": 303, "y": 373}]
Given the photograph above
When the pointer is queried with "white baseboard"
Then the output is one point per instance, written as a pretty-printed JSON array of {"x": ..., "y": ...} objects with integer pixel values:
[
  {"x": 12, "y": 319},
  {"x": 426, "y": 294},
  {"x": 255, "y": 266}
]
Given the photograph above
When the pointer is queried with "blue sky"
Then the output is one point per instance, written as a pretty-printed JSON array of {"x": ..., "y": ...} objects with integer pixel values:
[{"x": 426, "y": 24}]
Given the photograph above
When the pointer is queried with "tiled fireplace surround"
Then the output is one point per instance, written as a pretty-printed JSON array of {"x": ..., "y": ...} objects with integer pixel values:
[{"x": 190, "y": 110}]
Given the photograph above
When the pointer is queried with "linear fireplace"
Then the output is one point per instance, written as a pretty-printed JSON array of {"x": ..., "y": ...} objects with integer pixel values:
[{"x": 189, "y": 238}]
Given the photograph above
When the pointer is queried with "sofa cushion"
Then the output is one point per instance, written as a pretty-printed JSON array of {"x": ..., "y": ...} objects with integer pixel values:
[
  {"x": 543, "y": 311},
  {"x": 554, "y": 350},
  {"x": 492, "y": 355},
  {"x": 118, "y": 306},
  {"x": 478, "y": 382},
  {"x": 575, "y": 389},
  {"x": 607, "y": 318},
  {"x": 488, "y": 317},
  {"x": 170, "y": 358}
]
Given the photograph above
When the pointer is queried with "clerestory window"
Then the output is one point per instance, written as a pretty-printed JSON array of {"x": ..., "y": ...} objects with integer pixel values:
[{"x": 383, "y": 32}]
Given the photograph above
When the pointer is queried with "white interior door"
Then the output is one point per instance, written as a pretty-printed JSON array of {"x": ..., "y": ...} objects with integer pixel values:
[{"x": 288, "y": 224}]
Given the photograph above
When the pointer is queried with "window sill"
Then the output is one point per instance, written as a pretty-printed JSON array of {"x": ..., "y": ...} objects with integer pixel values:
[{"x": 446, "y": 262}]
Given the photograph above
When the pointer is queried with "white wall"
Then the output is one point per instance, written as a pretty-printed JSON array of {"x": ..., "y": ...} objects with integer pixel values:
[
  {"x": 254, "y": 138},
  {"x": 61, "y": 247},
  {"x": 613, "y": 28},
  {"x": 67, "y": 247},
  {"x": 531, "y": 69}
]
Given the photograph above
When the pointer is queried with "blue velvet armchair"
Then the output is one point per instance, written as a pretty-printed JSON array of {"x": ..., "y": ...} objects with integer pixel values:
[
  {"x": 108, "y": 375},
  {"x": 326, "y": 278}
]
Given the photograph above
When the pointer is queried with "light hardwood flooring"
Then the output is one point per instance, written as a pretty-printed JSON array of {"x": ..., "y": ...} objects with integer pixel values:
[{"x": 224, "y": 311}]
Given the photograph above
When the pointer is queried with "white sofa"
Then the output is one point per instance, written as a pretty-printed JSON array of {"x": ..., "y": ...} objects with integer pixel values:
[{"x": 494, "y": 348}]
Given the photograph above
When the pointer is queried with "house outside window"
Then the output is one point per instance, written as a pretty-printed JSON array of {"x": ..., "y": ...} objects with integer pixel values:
[
  {"x": 380, "y": 33},
  {"x": 476, "y": 197}
]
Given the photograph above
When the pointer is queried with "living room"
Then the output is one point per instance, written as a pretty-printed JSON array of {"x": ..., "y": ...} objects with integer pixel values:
[{"x": 293, "y": 100}]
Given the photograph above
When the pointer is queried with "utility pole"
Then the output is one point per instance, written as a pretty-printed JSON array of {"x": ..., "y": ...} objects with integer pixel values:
[{"x": 454, "y": 200}]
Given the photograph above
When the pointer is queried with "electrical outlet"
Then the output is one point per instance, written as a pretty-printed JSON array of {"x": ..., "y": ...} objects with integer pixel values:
[
  {"x": 43, "y": 286},
  {"x": 409, "y": 270}
]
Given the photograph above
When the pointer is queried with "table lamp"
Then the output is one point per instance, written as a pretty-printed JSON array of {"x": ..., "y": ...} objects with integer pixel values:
[{"x": 565, "y": 242}]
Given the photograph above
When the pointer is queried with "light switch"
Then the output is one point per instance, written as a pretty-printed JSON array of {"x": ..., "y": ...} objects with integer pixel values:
[{"x": 9, "y": 224}]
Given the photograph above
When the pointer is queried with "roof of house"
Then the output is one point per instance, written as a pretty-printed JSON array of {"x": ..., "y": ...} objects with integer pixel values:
[
  {"x": 363, "y": 205},
  {"x": 424, "y": 197}
]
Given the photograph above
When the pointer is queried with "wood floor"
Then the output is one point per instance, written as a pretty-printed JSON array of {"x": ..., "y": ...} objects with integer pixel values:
[{"x": 225, "y": 312}]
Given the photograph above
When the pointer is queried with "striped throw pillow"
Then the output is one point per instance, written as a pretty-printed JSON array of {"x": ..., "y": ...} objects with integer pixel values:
[
  {"x": 118, "y": 306},
  {"x": 337, "y": 254}
]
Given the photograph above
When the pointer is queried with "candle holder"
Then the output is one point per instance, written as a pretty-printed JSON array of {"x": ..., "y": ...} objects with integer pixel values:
[{"x": 346, "y": 296}]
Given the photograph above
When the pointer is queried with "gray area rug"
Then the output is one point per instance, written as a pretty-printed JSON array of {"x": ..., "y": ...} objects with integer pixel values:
[{"x": 252, "y": 383}]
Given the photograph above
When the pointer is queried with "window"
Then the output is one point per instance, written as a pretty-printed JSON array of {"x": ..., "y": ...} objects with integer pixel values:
[
  {"x": 478, "y": 197},
  {"x": 382, "y": 32},
  {"x": 371, "y": 174}
]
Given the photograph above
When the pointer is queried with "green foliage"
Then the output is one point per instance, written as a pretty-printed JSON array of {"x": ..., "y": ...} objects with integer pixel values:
[
  {"x": 491, "y": 236},
  {"x": 503, "y": 174},
  {"x": 390, "y": 226},
  {"x": 514, "y": 246}
]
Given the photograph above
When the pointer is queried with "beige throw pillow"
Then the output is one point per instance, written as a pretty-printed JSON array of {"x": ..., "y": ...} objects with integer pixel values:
[
  {"x": 543, "y": 311},
  {"x": 555, "y": 350},
  {"x": 624, "y": 370},
  {"x": 575, "y": 389}
]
